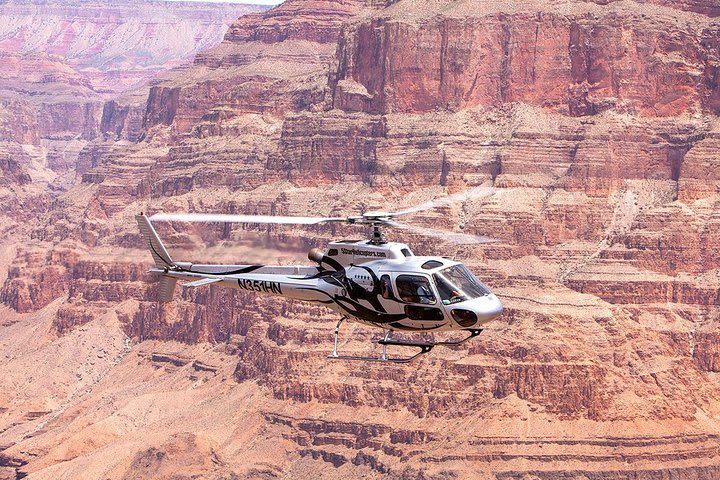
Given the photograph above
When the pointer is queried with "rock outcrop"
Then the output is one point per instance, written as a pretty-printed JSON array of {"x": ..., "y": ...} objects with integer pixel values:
[
  {"x": 62, "y": 67},
  {"x": 271, "y": 63}
]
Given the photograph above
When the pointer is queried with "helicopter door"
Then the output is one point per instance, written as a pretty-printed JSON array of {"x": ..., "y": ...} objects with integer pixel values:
[{"x": 419, "y": 295}]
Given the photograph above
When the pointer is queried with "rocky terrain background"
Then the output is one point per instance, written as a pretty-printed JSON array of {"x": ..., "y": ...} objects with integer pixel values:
[
  {"x": 116, "y": 45},
  {"x": 583, "y": 135}
]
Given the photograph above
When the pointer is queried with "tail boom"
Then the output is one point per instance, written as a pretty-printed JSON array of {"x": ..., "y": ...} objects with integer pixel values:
[{"x": 297, "y": 282}]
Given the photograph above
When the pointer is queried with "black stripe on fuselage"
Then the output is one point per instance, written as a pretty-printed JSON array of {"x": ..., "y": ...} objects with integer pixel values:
[
  {"x": 360, "y": 311},
  {"x": 249, "y": 269},
  {"x": 400, "y": 326},
  {"x": 373, "y": 296},
  {"x": 354, "y": 290}
]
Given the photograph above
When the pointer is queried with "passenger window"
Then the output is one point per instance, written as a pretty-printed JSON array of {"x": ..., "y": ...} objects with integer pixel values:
[
  {"x": 414, "y": 289},
  {"x": 430, "y": 264},
  {"x": 415, "y": 312},
  {"x": 386, "y": 287}
]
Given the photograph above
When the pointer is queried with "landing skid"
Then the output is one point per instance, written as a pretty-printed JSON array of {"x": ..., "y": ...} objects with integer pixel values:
[{"x": 424, "y": 347}]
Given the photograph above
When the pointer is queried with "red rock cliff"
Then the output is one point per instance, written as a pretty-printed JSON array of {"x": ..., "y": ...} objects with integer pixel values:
[
  {"x": 583, "y": 136},
  {"x": 578, "y": 60}
]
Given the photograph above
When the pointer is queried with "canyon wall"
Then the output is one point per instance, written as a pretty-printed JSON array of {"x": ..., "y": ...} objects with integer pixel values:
[
  {"x": 116, "y": 45},
  {"x": 65, "y": 66},
  {"x": 579, "y": 61},
  {"x": 581, "y": 135}
]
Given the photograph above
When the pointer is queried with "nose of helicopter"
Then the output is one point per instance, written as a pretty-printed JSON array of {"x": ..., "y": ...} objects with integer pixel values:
[
  {"x": 485, "y": 309},
  {"x": 488, "y": 308}
]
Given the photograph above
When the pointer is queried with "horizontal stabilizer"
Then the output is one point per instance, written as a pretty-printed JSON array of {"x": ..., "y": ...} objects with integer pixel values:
[{"x": 204, "y": 281}]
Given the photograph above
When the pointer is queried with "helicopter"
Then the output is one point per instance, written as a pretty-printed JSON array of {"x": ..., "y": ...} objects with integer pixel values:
[{"x": 373, "y": 282}]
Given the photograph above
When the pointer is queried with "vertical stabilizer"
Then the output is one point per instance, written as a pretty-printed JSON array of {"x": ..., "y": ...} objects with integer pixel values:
[
  {"x": 167, "y": 288},
  {"x": 160, "y": 255},
  {"x": 152, "y": 240}
]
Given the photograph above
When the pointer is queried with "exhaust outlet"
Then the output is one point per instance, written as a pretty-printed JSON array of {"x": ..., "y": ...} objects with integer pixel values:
[{"x": 316, "y": 255}]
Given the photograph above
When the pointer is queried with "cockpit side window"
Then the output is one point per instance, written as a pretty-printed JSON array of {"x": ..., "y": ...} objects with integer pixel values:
[
  {"x": 449, "y": 293},
  {"x": 406, "y": 252},
  {"x": 415, "y": 289},
  {"x": 386, "y": 287}
]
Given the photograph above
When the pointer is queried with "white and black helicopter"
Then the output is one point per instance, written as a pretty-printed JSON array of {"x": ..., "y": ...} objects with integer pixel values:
[{"x": 374, "y": 282}]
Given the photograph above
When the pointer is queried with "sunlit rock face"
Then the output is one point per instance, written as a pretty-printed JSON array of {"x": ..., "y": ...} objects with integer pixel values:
[
  {"x": 586, "y": 134},
  {"x": 575, "y": 58},
  {"x": 116, "y": 45}
]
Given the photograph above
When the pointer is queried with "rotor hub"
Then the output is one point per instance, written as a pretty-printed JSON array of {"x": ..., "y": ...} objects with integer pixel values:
[{"x": 377, "y": 236}]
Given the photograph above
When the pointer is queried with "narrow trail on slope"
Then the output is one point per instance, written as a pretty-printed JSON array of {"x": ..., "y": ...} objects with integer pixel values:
[{"x": 627, "y": 208}]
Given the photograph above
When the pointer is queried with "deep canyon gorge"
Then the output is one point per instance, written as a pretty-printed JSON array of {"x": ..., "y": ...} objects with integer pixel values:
[{"x": 590, "y": 127}]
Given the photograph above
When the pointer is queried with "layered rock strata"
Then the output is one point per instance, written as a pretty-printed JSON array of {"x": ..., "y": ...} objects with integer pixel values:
[
  {"x": 116, "y": 45},
  {"x": 581, "y": 135}
]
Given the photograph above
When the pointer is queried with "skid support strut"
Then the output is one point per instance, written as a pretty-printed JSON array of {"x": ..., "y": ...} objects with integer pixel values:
[
  {"x": 424, "y": 347},
  {"x": 334, "y": 353}
]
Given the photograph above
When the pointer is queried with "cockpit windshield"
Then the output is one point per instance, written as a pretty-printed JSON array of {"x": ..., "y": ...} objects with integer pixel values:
[{"x": 457, "y": 284}]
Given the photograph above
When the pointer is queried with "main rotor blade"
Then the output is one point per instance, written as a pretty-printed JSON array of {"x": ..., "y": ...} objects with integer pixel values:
[
  {"x": 447, "y": 235},
  {"x": 460, "y": 197},
  {"x": 222, "y": 218}
]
